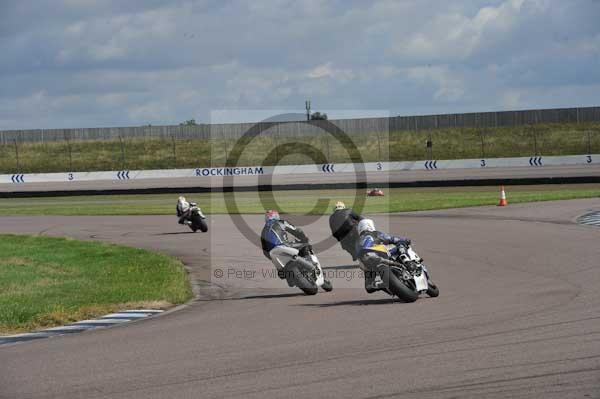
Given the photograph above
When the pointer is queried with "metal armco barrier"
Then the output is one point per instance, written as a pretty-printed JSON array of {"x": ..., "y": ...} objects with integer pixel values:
[{"x": 382, "y": 167}]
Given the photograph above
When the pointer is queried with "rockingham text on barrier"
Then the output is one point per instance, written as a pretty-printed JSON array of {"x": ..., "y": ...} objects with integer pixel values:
[{"x": 257, "y": 170}]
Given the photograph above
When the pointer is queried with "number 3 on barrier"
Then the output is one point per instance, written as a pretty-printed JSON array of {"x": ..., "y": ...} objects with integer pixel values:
[
  {"x": 589, "y": 159},
  {"x": 379, "y": 166},
  {"x": 70, "y": 177},
  {"x": 483, "y": 163}
]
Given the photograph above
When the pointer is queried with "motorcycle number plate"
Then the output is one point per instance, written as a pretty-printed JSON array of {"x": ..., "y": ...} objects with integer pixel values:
[{"x": 421, "y": 282}]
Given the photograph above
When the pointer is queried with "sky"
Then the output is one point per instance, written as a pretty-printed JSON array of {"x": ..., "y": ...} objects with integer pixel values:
[{"x": 99, "y": 63}]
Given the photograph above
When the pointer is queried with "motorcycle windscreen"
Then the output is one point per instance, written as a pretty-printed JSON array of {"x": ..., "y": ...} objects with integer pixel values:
[{"x": 412, "y": 254}]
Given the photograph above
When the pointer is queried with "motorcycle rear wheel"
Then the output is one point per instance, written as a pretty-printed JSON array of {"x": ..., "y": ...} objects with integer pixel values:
[
  {"x": 203, "y": 226},
  {"x": 199, "y": 223},
  {"x": 397, "y": 285},
  {"x": 302, "y": 282}
]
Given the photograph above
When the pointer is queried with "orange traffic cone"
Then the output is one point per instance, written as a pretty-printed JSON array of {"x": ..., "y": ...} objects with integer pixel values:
[{"x": 503, "y": 201}]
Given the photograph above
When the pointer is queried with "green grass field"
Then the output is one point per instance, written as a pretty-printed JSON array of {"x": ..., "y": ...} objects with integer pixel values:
[
  {"x": 297, "y": 202},
  {"x": 48, "y": 281},
  {"x": 136, "y": 154}
]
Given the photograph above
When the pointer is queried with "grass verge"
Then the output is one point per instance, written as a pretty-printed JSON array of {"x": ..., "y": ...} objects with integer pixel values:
[
  {"x": 47, "y": 281},
  {"x": 298, "y": 202}
]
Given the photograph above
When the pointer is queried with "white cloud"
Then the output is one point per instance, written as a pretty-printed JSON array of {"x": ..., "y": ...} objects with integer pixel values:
[
  {"x": 150, "y": 111},
  {"x": 107, "y": 51},
  {"x": 456, "y": 36},
  {"x": 321, "y": 71},
  {"x": 81, "y": 3},
  {"x": 511, "y": 99},
  {"x": 113, "y": 99},
  {"x": 107, "y": 63},
  {"x": 447, "y": 86},
  {"x": 328, "y": 71},
  {"x": 118, "y": 37}
]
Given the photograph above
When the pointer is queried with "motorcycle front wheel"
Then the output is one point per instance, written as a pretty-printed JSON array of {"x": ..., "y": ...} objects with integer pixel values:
[
  {"x": 397, "y": 285},
  {"x": 327, "y": 286},
  {"x": 433, "y": 290}
]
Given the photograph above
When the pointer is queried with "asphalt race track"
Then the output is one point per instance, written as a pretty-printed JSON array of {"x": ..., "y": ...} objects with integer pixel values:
[{"x": 518, "y": 316}]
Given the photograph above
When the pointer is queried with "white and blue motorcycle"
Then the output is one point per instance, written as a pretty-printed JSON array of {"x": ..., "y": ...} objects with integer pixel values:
[
  {"x": 403, "y": 274},
  {"x": 299, "y": 265}
]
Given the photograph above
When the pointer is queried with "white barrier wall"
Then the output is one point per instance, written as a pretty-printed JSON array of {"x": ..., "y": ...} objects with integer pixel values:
[{"x": 433, "y": 165}]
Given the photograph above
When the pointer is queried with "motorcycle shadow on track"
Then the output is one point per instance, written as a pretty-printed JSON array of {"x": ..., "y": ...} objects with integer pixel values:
[
  {"x": 358, "y": 302},
  {"x": 272, "y": 296},
  {"x": 174, "y": 233}
]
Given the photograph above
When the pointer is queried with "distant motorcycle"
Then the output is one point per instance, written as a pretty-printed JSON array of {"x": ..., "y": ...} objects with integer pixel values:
[
  {"x": 190, "y": 214},
  {"x": 404, "y": 275},
  {"x": 299, "y": 265}
]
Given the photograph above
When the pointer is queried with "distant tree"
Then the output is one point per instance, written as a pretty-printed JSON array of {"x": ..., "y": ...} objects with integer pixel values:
[
  {"x": 317, "y": 116},
  {"x": 191, "y": 122}
]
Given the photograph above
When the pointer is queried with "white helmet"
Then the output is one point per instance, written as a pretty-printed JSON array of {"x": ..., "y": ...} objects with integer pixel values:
[
  {"x": 339, "y": 205},
  {"x": 365, "y": 225}
]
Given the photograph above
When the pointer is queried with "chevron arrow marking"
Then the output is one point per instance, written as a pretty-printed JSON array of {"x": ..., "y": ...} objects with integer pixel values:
[{"x": 328, "y": 168}]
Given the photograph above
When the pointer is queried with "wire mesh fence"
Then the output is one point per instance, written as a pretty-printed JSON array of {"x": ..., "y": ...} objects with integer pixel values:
[
  {"x": 477, "y": 120},
  {"x": 282, "y": 141}
]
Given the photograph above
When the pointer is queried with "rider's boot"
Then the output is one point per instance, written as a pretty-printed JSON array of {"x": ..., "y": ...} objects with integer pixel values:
[
  {"x": 184, "y": 220},
  {"x": 370, "y": 282}
]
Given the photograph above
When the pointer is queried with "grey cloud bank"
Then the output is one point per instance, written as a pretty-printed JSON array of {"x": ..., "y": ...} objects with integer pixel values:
[{"x": 88, "y": 63}]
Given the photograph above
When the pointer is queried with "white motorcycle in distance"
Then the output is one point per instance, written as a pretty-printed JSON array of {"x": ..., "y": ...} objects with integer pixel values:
[
  {"x": 299, "y": 265},
  {"x": 190, "y": 214},
  {"x": 404, "y": 275}
]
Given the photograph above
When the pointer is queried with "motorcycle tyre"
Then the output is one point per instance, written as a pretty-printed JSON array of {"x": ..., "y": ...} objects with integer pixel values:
[{"x": 397, "y": 286}]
